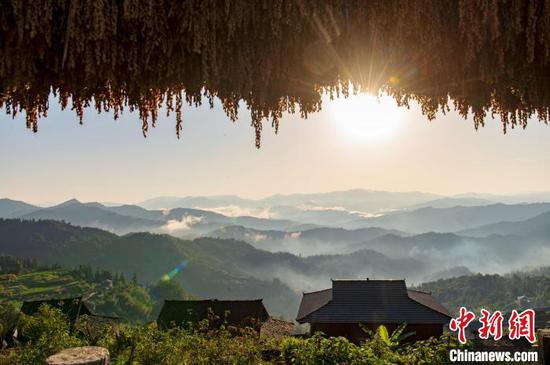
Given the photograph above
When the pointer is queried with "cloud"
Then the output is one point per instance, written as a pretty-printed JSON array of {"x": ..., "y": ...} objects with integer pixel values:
[
  {"x": 256, "y": 236},
  {"x": 185, "y": 223},
  {"x": 238, "y": 211},
  {"x": 321, "y": 208},
  {"x": 317, "y": 208},
  {"x": 293, "y": 235}
]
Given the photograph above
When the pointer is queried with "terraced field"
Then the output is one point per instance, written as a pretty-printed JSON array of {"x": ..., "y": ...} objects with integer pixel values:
[{"x": 42, "y": 284}]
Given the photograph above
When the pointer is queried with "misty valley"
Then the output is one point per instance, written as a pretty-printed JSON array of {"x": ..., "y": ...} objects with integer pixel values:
[{"x": 278, "y": 247}]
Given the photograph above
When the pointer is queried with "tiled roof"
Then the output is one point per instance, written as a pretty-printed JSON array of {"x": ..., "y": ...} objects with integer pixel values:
[
  {"x": 313, "y": 301},
  {"x": 371, "y": 301},
  {"x": 428, "y": 300},
  {"x": 234, "y": 312}
]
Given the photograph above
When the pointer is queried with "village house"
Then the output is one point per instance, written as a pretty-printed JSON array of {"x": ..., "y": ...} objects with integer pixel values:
[
  {"x": 73, "y": 308},
  {"x": 237, "y": 313},
  {"x": 339, "y": 311}
]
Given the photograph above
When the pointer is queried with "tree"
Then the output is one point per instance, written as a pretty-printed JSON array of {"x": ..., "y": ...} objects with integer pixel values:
[{"x": 168, "y": 289}]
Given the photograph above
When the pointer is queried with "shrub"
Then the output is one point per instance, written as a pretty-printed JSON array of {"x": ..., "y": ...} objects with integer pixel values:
[
  {"x": 45, "y": 333},
  {"x": 432, "y": 351},
  {"x": 48, "y": 332},
  {"x": 8, "y": 318},
  {"x": 320, "y": 350},
  {"x": 147, "y": 345}
]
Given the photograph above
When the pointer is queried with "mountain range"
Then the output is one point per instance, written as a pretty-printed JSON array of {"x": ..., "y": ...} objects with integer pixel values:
[
  {"x": 15, "y": 208},
  {"x": 360, "y": 200},
  {"x": 212, "y": 268},
  {"x": 279, "y": 246},
  {"x": 439, "y": 215},
  {"x": 452, "y": 219},
  {"x": 438, "y": 252},
  {"x": 538, "y": 226},
  {"x": 132, "y": 218},
  {"x": 317, "y": 241},
  {"x": 357, "y": 199},
  {"x": 232, "y": 268}
]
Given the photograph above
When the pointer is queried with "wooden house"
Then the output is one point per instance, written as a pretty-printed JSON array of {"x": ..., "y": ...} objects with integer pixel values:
[
  {"x": 237, "y": 313},
  {"x": 73, "y": 308},
  {"x": 339, "y": 311}
]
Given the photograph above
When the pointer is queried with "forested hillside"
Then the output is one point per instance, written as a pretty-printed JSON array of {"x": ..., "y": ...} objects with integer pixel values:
[
  {"x": 494, "y": 292},
  {"x": 231, "y": 269},
  {"x": 105, "y": 292},
  {"x": 150, "y": 256}
]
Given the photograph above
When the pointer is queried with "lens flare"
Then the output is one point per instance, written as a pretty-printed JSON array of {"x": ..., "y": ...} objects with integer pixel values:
[{"x": 175, "y": 271}]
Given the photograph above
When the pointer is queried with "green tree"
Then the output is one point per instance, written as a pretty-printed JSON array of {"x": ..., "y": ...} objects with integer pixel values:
[
  {"x": 46, "y": 333},
  {"x": 168, "y": 289}
]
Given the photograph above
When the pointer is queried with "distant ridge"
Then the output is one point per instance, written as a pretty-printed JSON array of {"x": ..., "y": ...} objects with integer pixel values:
[
  {"x": 538, "y": 226},
  {"x": 92, "y": 215},
  {"x": 14, "y": 208},
  {"x": 452, "y": 219}
]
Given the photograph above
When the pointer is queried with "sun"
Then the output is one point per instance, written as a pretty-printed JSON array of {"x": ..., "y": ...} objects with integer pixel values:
[{"x": 365, "y": 117}]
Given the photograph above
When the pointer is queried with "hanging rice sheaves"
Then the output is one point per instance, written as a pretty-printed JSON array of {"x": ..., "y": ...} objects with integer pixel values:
[{"x": 486, "y": 56}]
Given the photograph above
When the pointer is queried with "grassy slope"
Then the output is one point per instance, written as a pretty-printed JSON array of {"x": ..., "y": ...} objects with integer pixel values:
[
  {"x": 42, "y": 284},
  {"x": 125, "y": 300}
]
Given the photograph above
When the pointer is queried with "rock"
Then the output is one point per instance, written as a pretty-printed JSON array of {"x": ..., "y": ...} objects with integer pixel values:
[{"x": 87, "y": 355}]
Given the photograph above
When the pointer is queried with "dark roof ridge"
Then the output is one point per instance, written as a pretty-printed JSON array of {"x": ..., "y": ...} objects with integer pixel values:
[
  {"x": 213, "y": 300},
  {"x": 321, "y": 299},
  {"x": 438, "y": 307},
  {"x": 316, "y": 291},
  {"x": 420, "y": 291},
  {"x": 298, "y": 319},
  {"x": 368, "y": 279},
  {"x": 427, "y": 306}
]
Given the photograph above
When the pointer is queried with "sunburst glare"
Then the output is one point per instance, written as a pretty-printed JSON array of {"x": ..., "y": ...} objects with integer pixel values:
[{"x": 366, "y": 118}]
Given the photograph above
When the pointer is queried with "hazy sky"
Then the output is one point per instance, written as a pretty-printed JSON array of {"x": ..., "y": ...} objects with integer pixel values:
[{"x": 347, "y": 145}]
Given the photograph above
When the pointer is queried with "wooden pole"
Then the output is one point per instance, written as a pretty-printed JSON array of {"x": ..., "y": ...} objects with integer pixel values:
[{"x": 544, "y": 346}]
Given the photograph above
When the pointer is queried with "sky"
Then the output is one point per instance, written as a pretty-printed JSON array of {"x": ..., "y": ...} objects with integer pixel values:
[{"x": 355, "y": 143}]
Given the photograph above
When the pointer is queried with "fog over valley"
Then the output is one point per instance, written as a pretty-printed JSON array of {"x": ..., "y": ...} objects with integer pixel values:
[{"x": 280, "y": 246}]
